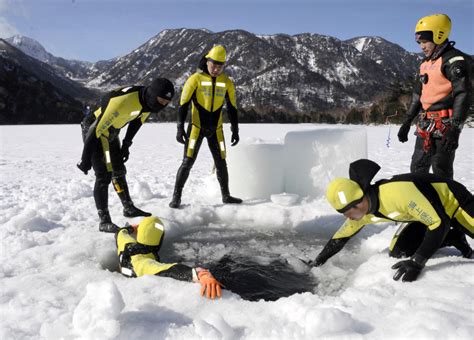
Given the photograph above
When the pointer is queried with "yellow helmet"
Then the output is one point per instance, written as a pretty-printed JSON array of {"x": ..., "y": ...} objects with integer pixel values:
[
  {"x": 343, "y": 194},
  {"x": 438, "y": 24},
  {"x": 217, "y": 54},
  {"x": 150, "y": 231}
]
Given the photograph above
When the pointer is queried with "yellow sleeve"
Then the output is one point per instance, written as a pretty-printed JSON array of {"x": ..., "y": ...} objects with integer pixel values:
[
  {"x": 145, "y": 264},
  {"x": 188, "y": 90},
  {"x": 350, "y": 227},
  {"x": 144, "y": 117},
  {"x": 123, "y": 238}
]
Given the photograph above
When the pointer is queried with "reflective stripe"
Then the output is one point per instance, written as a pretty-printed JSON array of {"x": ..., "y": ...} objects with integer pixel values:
[
  {"x": 393, "y": 214},
  {"x": 222, "y": 146},
  {"x": 134, "y": 113},
  {"x": 206, "y": 83},
  {"x": 107, "y": 156},
  {"x": 452, "y": 60},
  {"x": 342, "y": 197},
  {"x": 158, "y": 226},
  {"x": 126, "y": 271},
  {"x": 375, "y": 219},
  {"x": 220, "y": 84},
  {"x": 192, "y": 142},
  {"x": 125, "y": 89}
]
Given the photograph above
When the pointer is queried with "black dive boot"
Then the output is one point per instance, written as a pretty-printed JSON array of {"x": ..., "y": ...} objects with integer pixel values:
[
  {"x": 176, "y": 201},
  {"x": 181, "y": 177},
  {"x": 129, "y": 210},
  {"x": 121, "y": 188},
  {"x": 457, "y": 239},
  {"x": 106, "y": 225},
  {"x": 464, "y": 247},
  {"x": 223, "y": 178}
]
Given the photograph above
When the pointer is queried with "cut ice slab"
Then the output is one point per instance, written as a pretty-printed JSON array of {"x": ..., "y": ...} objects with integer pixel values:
[
  {"x": 284, "y": 199},
  {"x": 303, "y": 165}
]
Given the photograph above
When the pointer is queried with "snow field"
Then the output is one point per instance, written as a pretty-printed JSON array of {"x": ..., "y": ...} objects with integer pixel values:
[{"x": 53, "y": 284}]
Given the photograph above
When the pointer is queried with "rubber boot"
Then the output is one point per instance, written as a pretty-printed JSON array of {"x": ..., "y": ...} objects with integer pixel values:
[
  {"x": 181, "y": 178},
  {"x": 223, "y": 178},
  {"x": 106, "y": 225},
  {"x": 464, "y": 247},
  {"x": 129, "y": 209},
  {"x": 457, "y": 239},
  {"x": 176, "y": 201}
]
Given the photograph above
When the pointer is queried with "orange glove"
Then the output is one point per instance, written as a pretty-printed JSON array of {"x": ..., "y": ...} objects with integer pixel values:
[{"x": 209, "y": 284}]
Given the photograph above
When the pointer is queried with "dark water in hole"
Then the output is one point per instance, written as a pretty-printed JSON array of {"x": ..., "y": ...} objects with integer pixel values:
[{"x": 254, "y": 281}]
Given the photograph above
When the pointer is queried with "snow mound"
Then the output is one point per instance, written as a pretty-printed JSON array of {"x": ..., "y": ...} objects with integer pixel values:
[
  {"x": 31, "y": 220},
  {"x": 214, "y": 327},
  {"x": 329, "y": 322},
  {"x": 95, "y": 317},
  {"x": 142, "y": 191}
]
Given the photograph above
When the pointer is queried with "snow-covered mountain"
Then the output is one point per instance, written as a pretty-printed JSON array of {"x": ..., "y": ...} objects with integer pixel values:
[
  {"x": 304, "y": 77},
  {"x": 394, "y": 58},
  {"x": 275, "y": 74},
  {"x": 32, "y": 92},
  {"x": 72, "y": 69}
]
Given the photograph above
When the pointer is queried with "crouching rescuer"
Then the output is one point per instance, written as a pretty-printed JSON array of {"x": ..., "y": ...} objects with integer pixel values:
[
  {"x": 436, "y": 212},
  {"x": 102, "y": 149},
  {"x": 138, "y": 247}
]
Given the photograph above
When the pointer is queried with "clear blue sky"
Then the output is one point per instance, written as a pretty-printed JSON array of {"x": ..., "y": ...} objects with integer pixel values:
[{"x": 102, "y": 29}]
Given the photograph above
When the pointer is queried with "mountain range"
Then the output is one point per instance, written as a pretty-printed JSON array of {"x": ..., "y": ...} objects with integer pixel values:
[{"x": 279, "y": 78}]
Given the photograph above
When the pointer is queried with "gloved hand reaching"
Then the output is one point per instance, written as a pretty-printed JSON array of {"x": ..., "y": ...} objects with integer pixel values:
[
  {"x": 181, "y": 135},
  {"x": 451, "y": 139},
  {"x": 409, "y": 270},
  {"x": 209, "y": 285},
  {"x": 124, "y": 151},
  {"x": 403, "y": 132},
  {"x": 84, "y": 166},
  {"x": 318, "y": 261}
]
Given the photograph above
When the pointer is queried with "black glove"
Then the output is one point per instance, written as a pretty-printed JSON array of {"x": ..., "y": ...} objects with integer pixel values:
[
  {"x": 235, "y": 136},
  {"x": 409, "y": 270},
  {"x": 124, "y": 151},
  {"x": 84, "y": 166},
  {"x": 451, "y": 139},
  {"x": 403, "y": 132},
  {"x": 318, "y": 261},
  {"x": 181, "y": 135}
]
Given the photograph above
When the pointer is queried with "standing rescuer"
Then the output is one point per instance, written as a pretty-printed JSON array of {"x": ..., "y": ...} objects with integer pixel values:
[
  {"x": 102, "y": 150},
  {"x": 206, "y": 91},
  {"x": 443, "y": 96}
]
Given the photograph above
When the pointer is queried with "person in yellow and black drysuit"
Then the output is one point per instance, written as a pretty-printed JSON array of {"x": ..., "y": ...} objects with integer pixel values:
[
  {"x": 138, "y": 247},
  {"x": 443, "y": 94},
  {"x": 207, "y": 91},
  {"x": 439, "y": 212},
  {"x": 102, "y": 150}
]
